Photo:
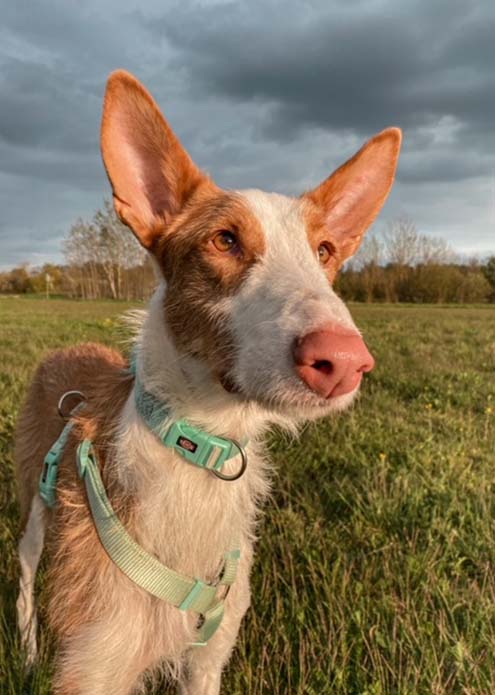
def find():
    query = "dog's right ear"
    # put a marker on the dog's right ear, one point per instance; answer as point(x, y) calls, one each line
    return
point(151, 174)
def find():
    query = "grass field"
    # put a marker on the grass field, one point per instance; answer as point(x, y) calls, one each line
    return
point(375, 570)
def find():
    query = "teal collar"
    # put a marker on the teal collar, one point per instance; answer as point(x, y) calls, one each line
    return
point(194, 444)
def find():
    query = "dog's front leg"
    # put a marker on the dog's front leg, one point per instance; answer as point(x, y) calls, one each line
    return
point(205, 664)
point(101, 659)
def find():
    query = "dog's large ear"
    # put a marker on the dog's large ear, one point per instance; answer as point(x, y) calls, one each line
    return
point(351, 198)
point(152, 175)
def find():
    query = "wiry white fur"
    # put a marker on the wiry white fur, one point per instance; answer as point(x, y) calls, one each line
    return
point(286, 296)
point(30, 548)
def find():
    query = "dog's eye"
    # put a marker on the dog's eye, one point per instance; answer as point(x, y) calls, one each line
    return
point(324, 253)
point(225, 241)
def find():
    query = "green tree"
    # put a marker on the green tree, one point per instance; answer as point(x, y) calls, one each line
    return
point(20, 281)
point(473, 288)
point(488, 271)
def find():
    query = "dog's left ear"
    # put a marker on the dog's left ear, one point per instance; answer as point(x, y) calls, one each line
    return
point(351, 198)
point(152, 175)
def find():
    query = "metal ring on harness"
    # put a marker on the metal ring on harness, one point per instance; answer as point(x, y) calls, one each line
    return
point(241, 470)
point(60, 406)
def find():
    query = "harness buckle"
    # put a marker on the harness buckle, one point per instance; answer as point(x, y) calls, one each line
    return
point(84, 452)
point(192, 595)
point(205, 450)
point(48, 479)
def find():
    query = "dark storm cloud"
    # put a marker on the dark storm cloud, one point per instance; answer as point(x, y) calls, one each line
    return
point(349, 68)
point(262, 93)
point(42, 107)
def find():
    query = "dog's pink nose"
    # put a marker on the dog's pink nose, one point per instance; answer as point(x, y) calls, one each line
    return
point(332, 361)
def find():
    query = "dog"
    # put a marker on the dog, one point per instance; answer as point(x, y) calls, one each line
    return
point(244, 332)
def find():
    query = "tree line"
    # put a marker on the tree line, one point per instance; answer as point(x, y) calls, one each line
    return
point(403, 265)
point(103, 260)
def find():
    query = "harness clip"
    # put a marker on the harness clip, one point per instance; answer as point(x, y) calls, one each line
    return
point(84, 452)
point(48, 480)
point(192, 595)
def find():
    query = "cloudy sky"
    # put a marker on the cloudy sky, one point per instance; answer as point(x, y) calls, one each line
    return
point(264, 93)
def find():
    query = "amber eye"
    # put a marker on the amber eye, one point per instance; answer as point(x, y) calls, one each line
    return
point(225, 241)
point(324, 253)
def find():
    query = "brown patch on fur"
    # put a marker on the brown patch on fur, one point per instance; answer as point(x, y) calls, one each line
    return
point(198, 275)
point(79, 565)
point(343, 207)
point(174, 209)
point(39, 423)
point(318, 233)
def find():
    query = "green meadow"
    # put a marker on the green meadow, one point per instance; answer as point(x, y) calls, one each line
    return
point(375, 570)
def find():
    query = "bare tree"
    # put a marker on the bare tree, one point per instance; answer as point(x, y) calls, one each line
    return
point(402, 241)
point(371, 252)
point(434, 250)
point(101, 254)
point(78, 250)
point(368, 261)
point(405, 246)
point(117, 249)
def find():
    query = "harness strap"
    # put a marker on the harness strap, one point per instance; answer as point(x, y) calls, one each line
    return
point(196, 446)
point(142, 568)
point(49, 474)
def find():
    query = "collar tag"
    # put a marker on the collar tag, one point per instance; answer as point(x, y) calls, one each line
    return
point(197, 446)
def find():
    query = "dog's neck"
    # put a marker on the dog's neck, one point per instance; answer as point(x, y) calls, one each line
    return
point(187, 386)
point(172, 495)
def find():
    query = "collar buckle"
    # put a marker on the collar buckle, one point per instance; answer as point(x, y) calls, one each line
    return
point(194, 444)
point(202, 449)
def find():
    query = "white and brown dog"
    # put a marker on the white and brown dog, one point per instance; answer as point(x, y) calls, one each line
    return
point(243, 332)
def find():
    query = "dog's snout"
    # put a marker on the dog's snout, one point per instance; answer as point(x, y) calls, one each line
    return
point(332, 361)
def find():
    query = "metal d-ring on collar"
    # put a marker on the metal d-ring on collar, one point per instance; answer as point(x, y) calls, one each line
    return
point(241, 470)
point(60, 405)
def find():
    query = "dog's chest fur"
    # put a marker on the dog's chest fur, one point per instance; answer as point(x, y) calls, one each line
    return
point(183, 514)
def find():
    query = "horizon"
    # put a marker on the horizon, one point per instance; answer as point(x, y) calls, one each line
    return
point(458, 259)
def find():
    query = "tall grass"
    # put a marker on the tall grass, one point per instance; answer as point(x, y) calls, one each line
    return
point(375, 571)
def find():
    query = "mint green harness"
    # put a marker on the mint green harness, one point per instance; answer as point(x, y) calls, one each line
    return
point(196, 446)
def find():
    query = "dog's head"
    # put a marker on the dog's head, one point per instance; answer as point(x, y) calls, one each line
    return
point(248, 274)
